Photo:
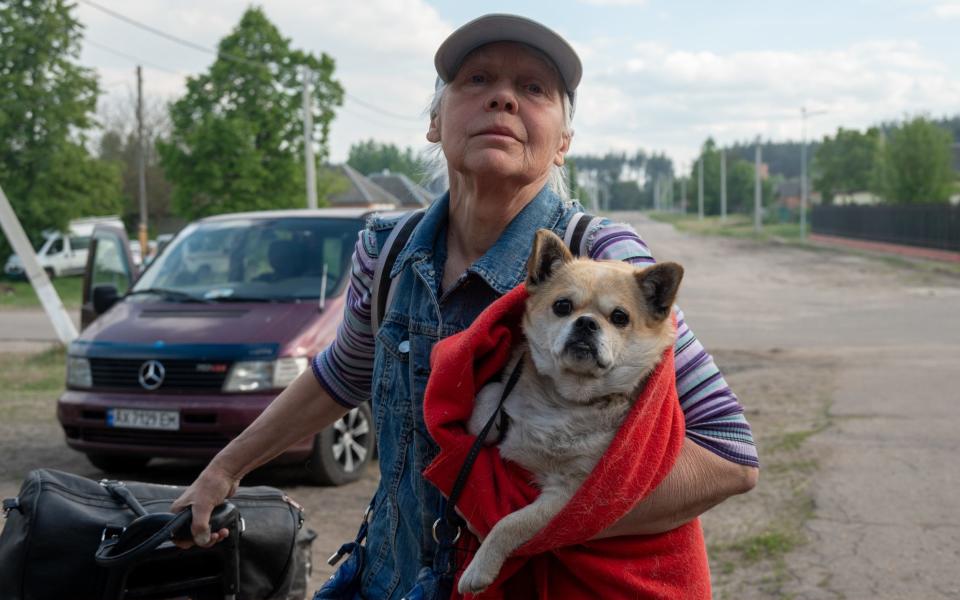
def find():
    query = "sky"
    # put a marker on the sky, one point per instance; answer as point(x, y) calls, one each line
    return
point(658, 75)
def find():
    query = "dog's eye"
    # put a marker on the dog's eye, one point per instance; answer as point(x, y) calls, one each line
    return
point(619, 318)
point(562, 307)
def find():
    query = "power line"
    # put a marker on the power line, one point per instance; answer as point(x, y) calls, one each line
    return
point(146, 27)
point(386, 113)
point(135, 59)
point(227, 56)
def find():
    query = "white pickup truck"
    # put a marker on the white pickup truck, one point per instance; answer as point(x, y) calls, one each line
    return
point(64, 253)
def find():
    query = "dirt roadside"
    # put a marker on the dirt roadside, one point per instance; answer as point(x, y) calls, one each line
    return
point(844, 364)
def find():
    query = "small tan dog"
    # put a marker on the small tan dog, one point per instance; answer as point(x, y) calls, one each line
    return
point(594, 331)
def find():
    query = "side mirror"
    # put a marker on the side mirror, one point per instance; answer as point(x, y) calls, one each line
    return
point(104, 296)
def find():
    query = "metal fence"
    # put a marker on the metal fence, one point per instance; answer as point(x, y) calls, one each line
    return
point(926, 225)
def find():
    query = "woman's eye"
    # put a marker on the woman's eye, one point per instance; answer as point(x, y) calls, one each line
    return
point(619, 318)
point(478, 78)
point(535, 88)
point(562, 307)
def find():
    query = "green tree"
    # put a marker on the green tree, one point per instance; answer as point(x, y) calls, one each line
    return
point(119, 145)
point(237, 135)
point(846, 163)
point(373, 157)
point(46, 102)
point(625, 195)
point(917, 164)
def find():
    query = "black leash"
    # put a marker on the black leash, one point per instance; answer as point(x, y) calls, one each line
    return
point(449, 522)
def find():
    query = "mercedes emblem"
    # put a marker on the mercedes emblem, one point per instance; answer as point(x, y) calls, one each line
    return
point(151, 374)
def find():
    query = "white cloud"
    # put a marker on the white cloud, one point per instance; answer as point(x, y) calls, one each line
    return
point(947, 10)
point(658, 97)
point(383, 51)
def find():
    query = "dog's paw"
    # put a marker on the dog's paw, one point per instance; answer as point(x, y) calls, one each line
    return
point(475, 579)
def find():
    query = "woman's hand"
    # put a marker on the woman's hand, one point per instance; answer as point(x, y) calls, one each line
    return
point(211, 488)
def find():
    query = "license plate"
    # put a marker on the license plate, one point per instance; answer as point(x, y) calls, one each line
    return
point(168, 420)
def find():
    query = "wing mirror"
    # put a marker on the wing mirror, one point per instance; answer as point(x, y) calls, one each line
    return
point(104, 296)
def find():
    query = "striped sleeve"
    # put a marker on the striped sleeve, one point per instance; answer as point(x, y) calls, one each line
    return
point(345, 367)
point(714, 416)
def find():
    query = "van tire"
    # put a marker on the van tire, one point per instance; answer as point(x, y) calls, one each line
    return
point(342, 451)
point(51, 274)
point(112, 463)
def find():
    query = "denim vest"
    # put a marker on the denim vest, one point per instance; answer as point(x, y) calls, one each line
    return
point(400, 541)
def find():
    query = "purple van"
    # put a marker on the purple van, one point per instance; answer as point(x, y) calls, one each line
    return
point(230, 312)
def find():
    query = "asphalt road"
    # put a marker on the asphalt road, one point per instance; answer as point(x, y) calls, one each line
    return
point(884, 521)
point(28, 330)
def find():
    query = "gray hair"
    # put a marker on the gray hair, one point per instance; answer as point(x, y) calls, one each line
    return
point(435, 163)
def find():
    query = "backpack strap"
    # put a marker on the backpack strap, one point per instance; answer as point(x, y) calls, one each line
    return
point(382, 282)
point(575, 235)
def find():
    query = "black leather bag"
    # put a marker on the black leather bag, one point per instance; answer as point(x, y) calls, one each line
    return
point(61, 526)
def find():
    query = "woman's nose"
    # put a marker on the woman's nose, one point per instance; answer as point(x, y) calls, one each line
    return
point(502, 99)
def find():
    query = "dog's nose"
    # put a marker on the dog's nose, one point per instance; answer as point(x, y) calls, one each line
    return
point(586, 324)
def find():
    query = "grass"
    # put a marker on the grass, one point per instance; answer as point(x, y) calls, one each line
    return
point(736, 226)
point(741, 227)
point(29, 382)
point(767, 545)
point(20, 294)
point(40, 372)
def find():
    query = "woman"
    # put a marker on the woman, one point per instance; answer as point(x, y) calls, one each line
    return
point(501, 116)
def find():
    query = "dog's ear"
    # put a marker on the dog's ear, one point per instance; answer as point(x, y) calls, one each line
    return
point(658, 287)
point(549, 253)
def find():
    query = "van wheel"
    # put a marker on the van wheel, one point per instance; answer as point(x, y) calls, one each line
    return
point(342, 451)
point(51, 274)
point(110, 463)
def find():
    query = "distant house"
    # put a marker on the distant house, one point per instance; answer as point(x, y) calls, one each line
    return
point(788, 194)
point(860, 198)
point(359, 191)
point(409, 194)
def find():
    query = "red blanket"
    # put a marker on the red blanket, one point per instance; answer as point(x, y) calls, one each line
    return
point(559, 563)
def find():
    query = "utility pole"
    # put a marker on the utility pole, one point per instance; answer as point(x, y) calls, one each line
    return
point(757, 191)
point(52, 305)
point(141, 168)
point(723, 185)
point(683, 192)
point(308, 139)
point(804, 185)
point(700, 188)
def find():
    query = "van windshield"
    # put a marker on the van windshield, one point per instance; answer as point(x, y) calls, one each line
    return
point(255, 260)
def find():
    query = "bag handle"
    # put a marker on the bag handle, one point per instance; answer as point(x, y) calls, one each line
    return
point(382, 281)
point(149, 531)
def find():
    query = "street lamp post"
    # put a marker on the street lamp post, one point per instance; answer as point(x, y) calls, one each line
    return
point(804, 186)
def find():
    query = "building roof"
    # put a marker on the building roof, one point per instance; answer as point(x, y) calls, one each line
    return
point(360, 191)
point(406, 191)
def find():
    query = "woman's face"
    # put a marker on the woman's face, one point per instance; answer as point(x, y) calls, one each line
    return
point(502, 115)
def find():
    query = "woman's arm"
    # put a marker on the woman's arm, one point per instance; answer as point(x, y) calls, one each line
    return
point(698, 481)
point(723, 460)
point(300, 411)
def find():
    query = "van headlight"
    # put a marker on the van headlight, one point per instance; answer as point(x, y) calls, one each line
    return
point(78, 372)
point(256, 375)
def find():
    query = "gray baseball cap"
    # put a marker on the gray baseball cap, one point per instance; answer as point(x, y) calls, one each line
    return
point(508, 28)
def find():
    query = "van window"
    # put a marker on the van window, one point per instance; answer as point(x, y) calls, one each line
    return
point(256, 259)
point(56, 247)
point(108, 265)
point(79, 242)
